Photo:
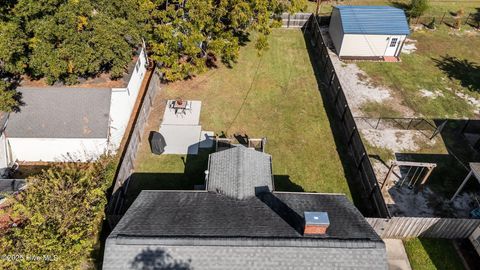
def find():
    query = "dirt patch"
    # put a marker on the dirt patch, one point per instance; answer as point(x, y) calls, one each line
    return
point(359, 89)
point(402, 200)
point(409, 46)
point(431, 94)
point(397, 140)
point(473, 101)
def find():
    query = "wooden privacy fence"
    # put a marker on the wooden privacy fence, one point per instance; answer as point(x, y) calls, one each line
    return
point(127, 162)
point(405, 227)
point(296, 20)
point(364, 173)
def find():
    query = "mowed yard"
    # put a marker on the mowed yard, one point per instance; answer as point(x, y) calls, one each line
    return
point(431, 254)
point(441, 79)
point(273, 95)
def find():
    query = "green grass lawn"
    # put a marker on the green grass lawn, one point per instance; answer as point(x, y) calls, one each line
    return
point(445, 62)
point(274, 95)
point(430, 254)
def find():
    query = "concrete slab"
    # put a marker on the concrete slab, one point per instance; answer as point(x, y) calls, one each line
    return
point(190, 118)
point(181, 140)
point(396, 255)
point(206, 139)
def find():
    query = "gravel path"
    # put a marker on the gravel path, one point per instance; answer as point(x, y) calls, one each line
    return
point(359, 89)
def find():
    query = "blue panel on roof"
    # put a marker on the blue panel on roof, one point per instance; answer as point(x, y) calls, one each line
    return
point(375, 20)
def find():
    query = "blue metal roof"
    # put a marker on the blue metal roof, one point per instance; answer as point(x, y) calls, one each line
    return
point(376, 20)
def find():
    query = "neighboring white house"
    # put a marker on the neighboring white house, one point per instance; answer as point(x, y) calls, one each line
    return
point(368, 32)
point(3, 145)
point(73, 123)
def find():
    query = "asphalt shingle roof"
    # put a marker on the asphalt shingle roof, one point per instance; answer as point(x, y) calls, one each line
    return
point(208, 214)
point(237, 171)
point(379, 20)
point(61, 113)
point(206, 230)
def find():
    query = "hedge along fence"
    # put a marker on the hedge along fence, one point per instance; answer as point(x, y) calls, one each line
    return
point(405, 227)
point(127, 162)
point(364, 173)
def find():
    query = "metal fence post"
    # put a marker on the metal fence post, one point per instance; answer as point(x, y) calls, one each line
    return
point(468, 17)
point(351, 135)
point(331, 78)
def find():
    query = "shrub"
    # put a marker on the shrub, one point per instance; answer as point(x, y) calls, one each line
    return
point(417, 8)
point(59, 217)
point(432, 24)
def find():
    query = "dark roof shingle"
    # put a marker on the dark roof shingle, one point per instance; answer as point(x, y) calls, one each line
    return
point(207, 214)
point(237, 172)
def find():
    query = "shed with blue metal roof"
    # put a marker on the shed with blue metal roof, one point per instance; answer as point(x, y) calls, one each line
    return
point(368, 32)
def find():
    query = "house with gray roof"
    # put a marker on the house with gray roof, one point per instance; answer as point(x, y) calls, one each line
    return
point(80, 122)
point(240, 222)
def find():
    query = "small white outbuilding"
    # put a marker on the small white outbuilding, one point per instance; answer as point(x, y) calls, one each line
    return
point(368, 32)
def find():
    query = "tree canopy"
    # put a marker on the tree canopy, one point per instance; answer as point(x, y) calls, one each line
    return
point(62, 40)
point(188, 36)
point(58, 217)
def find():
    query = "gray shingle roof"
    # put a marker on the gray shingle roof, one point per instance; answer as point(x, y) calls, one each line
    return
point(61, 113)
point(238, 171)
point(118, 257)
point(206, 230)
point(269, 215)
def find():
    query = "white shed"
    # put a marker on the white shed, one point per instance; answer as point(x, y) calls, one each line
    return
point(368, 32)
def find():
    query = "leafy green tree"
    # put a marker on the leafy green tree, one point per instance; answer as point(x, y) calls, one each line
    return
point(188, 36)
point(417, 8)
point(58, 216)
point(63, 40)
point(9, 98)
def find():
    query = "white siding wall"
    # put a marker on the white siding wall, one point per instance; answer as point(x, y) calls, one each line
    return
point(3, 154)
point(46, 149)
point(365, 45)
point(335, 30)
point(123, 101)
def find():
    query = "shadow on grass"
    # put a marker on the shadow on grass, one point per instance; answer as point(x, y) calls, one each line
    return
point(464, 70)
point(283, 183)
point(360, 199)
point(442, 254)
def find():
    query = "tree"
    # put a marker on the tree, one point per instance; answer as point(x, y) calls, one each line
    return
point(58, 216)
point(188, 36)
point(417, 8)
point(9, 98)
point(64, 40)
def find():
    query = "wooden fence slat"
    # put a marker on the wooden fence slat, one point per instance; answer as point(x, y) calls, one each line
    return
point(404, 227)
